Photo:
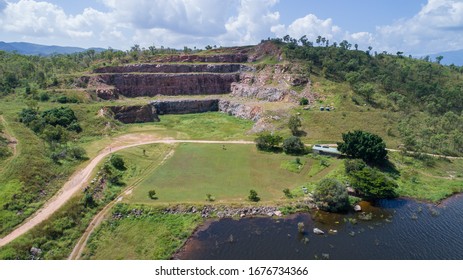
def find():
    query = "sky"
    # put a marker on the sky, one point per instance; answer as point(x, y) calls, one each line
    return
point(416, 27)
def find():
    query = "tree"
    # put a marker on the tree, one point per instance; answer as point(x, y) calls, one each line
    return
point(152, 194)
point(288, 193)
point(118, 162)
point(89, 200)
point(294, 124)
point(293, 145)
point(267, 141)
point(253, 196)
point(366, 90)
point(330, 195)
point(364, 145)
point(372, 184)
point(439, 59)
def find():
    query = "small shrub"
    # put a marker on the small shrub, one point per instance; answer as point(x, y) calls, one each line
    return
point(288, 193)
point(118, 162)
point(330, 195)
point(293, 146)
point(325, 163)
point(77, 153)
point(253, 196)
point(209, 197)
point(152, 194)
point(294, 124)
point(352, 165)
point(44, 97)
point(267, 141)
point(304, 101)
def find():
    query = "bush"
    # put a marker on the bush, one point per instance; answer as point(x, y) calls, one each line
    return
point(253, 196)
point(152, 194)
point(330, 195)
point(288, 193)
point(77, 153)
point(294, 124)
point(372, 184)
point(209, 197)
point(44, 97)
point(352, 165)
point(304, 101)
point(363, 145)
point(118, 162)
point(64, 99)
point(267, 141)
point(293, 146)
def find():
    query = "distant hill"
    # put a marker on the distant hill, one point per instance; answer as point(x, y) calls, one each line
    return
point(35, 49)
point(455, 57)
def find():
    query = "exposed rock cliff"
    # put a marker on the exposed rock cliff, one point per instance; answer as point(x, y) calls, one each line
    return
point(134, 114)
point(239, 110)
point(185, 106)
point(271, 94)
point(173, 68)
point(134, 85)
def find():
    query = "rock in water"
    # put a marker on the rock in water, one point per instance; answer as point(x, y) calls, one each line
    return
point(357, 208)
point(318, 231)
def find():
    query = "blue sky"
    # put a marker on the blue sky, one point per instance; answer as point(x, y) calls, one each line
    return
point(414, 26)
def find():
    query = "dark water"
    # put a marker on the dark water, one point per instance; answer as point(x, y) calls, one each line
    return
point(399, 229)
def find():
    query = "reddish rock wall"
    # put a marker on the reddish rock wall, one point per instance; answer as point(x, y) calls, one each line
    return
point(134, 85)
point(171, 68)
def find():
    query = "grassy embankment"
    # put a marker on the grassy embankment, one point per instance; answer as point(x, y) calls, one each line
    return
point(150, 235)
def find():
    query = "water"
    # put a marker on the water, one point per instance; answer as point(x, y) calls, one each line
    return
point(398, 229)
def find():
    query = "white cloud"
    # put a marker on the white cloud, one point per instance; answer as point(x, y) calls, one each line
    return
point(253, 22)
point(198, 17)
point(33, 19)
point(312, 27)
point(437, 27)
point(176, 23)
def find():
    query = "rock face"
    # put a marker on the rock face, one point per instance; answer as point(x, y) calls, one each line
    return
point(185, 106)
point(173, 68)
point(240, 110)
point(135, 85)
point(134, 114)
point(271, 94)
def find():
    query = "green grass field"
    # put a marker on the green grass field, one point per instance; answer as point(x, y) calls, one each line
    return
point(198, 169)
point(151, 236)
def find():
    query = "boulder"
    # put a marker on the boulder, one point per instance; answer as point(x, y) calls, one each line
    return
point(318, 231)
point(357, 208)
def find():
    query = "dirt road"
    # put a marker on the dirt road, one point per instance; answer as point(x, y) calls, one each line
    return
point(79, 179)
point(99, 218)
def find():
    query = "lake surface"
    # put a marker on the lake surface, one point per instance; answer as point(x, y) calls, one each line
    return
point(398, 229)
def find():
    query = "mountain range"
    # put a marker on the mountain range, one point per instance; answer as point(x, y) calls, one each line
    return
point(36, 49)
point(450, 57)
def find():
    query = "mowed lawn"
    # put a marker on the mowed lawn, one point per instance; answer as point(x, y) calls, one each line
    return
point(227, 174)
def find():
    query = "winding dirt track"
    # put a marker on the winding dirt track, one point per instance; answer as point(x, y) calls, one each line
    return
point(80, 178)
